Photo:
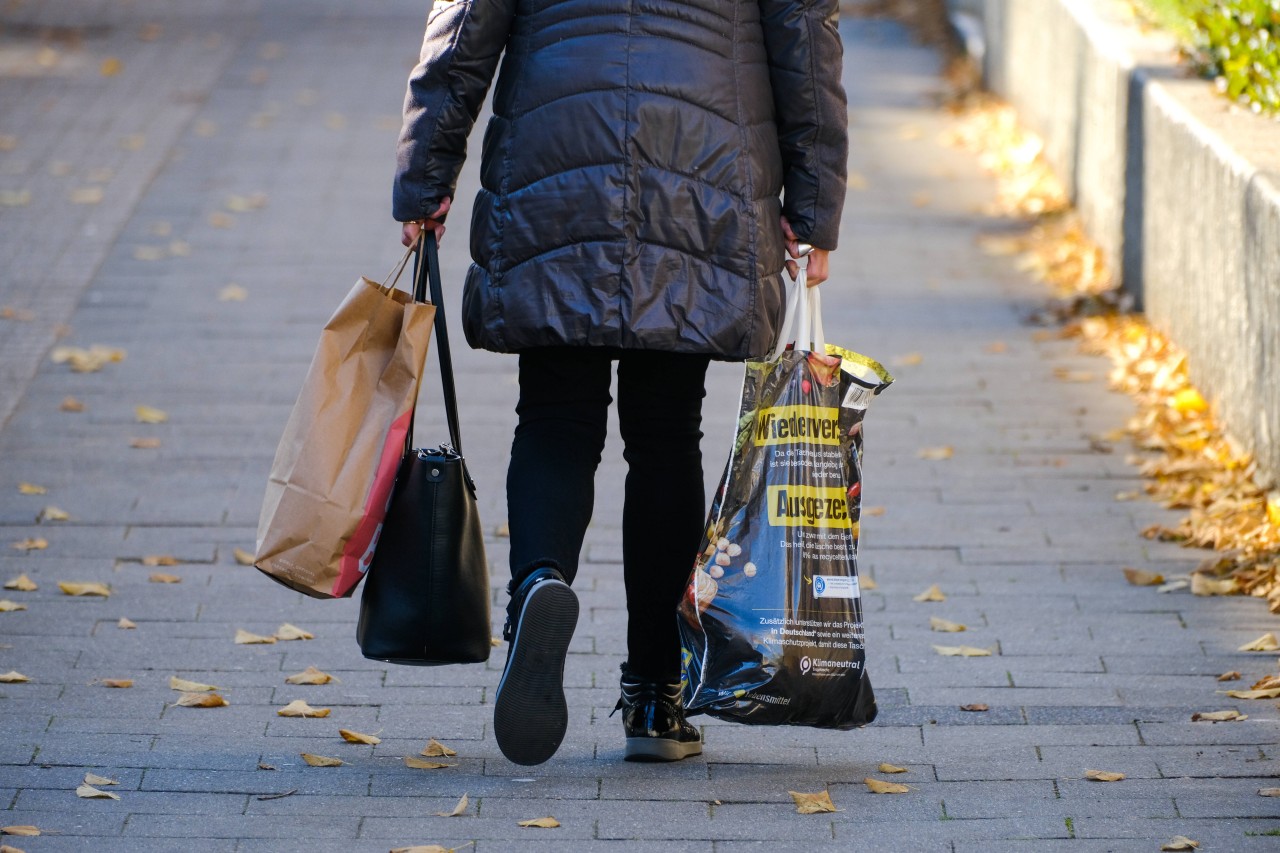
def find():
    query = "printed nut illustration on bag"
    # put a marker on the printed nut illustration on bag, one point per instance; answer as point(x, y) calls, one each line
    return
point(771, 621)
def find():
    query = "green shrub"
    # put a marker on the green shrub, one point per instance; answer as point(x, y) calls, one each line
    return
point(1237, 42)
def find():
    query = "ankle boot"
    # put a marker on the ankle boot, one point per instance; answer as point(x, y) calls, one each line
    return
point(529, 710)
point(653, 719)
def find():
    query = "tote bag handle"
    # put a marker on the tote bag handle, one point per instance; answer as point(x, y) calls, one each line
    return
point(426, 271)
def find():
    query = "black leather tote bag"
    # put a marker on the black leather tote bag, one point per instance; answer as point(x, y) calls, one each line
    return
point(426, 598)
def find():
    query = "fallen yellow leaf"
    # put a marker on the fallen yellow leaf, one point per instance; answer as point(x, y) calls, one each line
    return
point(1188, 400)
point(179, 248)
point(13, 677)
point(962, 651)
point(543, 822)
point(154, 560)
point(116, 682)
point(126, 623)
point(1229, 715)
point(25, 830)
point(244, 638)
point(1202, 584)
point(1180, 843)
point(879, 786)
point(31, 544)
point(247, 203)
point(818, 802)
point(31, 489)
point(21, 583)
point(1267, 693)
point(459, 809)
point(111, 66)
point(1266, 643)
point(15, 198)
point(419, 764)
point(1233, 675)
point(201, 700)
point(1103, 776)
point(145, 443)
point(435, 749)
point(89, 360)
point(1269, 792)
point(293, 632)
point(356, 737)
point(94, 779)
point(1067, 375)
point(161, 577)
point(996, 347)
point(89, 792)
point(936, 453)
point(866, 584)
point(945, 627)
point(7, 606)
point(1123, 497)
point(321, 760)
point(976, 706)
point(184, 686)
point(52, 513)
point(242, 556)
point(911, 359)
point(150, 415)
point(1139, 577)
point(218, 219)
point(1267, 682)
point(232, 293)
point(933, 593)
point(891, 768)
point(86, 195)
point(299, 708)
point(84, 588)
point(133, 142)
point(310, 675)
point(873, 511)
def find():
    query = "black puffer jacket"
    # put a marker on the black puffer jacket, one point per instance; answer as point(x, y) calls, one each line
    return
point(632, 170)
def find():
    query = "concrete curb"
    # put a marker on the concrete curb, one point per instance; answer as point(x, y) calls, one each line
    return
point(1179, 187)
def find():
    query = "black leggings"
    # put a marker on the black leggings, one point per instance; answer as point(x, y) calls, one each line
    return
point(563, 409)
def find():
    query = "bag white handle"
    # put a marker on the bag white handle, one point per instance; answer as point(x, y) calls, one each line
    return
point(802, 323)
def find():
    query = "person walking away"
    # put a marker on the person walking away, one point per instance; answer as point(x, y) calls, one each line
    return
point(629, 212)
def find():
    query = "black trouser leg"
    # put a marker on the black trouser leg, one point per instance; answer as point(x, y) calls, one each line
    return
point(660, 410)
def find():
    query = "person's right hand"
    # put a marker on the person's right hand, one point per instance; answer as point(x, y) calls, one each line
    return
point(817, 268)
point(409, 231)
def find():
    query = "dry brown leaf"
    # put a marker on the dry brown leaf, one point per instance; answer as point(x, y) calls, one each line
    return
point(921, 199)
point(153, 560)
point(1180, 843)
point(293, 632)
point(264, 766)
point(21, 583)
point(1266, 682)
point(1202, 584)
point(110, 67)
point(161, 577)
point(426, 848)
point(179, 248)
point(419, 764)
point(242, 556)
point(1266, 643)
point(7, 606)
point(244, 638)
point(84, 588)
point(310, 675)
point(321, 760)
point(150, 415)
point(1067, 375)
point(1269, 792)
point(145, 443)
point(24, 830)
point(52, 513)
point(1233, 675)
point(996, 347)
point(233, 293)
point(201, 700)
point(891, 768)
point(879, 786)
point(541, 822)
point(31, 544)
point(1103, 776)
point(1140, 577)
point(936, 453)
point(816, 803)
point(218, 219)
point(976, 706)
point(31, 489)
point(119, 683)
point(1229, 715)
point(126, 623)
point(356, 737)
point(279, 796)
point(89, 792)
point(94, 779)
point(435, 749)
point(300, 708)
point(933, 593)
point(13, 677)
point(184, 686)
point(962, 651)
point(457, 811)
point(1266, 693)
point(945, 627)
point(495, 642)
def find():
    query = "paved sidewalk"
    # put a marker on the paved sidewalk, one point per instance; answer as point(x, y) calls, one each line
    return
point(299, 102)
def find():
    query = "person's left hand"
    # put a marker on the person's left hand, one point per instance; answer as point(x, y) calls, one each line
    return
point(817, 270)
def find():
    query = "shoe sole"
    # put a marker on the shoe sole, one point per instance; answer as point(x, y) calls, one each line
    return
point(529, 710)
point(659, 749)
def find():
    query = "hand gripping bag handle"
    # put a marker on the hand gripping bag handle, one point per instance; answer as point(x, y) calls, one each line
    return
point(802, 323)
point(427, 269)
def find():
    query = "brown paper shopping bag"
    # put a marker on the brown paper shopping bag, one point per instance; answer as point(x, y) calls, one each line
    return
point(337, 461)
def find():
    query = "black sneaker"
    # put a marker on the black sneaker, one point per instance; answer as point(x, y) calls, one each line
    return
point(653, 718)
point(529, 711)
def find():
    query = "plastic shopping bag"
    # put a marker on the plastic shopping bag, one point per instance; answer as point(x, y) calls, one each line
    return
point(771, 621)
